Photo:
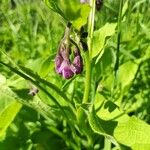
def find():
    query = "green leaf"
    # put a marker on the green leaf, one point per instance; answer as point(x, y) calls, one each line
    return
point(75, 12)
point(81, 16)
point(99, 37)
point(102, 126)
point(7, 116)
point(5, 100)
point(134, 133)
point(126, 73)
point(71, 11)
point(53, 6)
point(2, 80)
point(45, 67)
point(118, 126)
point(125, 8)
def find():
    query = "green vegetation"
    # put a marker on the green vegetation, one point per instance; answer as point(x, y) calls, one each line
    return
point(105, 105)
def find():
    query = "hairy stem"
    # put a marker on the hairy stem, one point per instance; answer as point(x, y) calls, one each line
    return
point(116, 67)
point(87, 78)
point(89, 52)
point(81, 115)
point(118, 38)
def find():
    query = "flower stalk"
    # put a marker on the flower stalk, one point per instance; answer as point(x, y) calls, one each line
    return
point(88, 58)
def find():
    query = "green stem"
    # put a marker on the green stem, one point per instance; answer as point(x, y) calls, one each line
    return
point(118, 37)
point(89, 52)
point(81, 115)
point(91, 20)
point(107, 145)
point(87, 78)
point(116, 67)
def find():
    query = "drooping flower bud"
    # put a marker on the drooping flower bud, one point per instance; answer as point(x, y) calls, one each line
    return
point(77, 62)
point(99, 4)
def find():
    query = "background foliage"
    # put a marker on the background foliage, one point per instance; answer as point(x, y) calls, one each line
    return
point(30, 32)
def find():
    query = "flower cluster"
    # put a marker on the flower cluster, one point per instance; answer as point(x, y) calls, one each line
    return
point(63, 64)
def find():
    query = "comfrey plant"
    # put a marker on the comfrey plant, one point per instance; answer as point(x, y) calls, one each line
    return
point(87, 111)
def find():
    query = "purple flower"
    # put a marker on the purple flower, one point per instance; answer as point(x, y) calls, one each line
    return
point(78, 64)
point(63, 64)
point(67, 72)
point(65, 69)
point(64, 51)
point(58, 62)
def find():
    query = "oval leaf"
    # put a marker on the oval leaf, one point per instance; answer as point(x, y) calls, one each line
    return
point(7, 116)
point(99, 37)
point(129, 131)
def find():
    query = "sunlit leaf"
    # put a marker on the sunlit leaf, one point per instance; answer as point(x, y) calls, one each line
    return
point(75, 12)
point(5, 100)
point(81, 16)
point(53, 6)
point(71, 11)
point(127, 72)
point(113, 123)
point(7, 116)
point(134, 133)
point(100, 36)
point(125, 8)
point(2, 79)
